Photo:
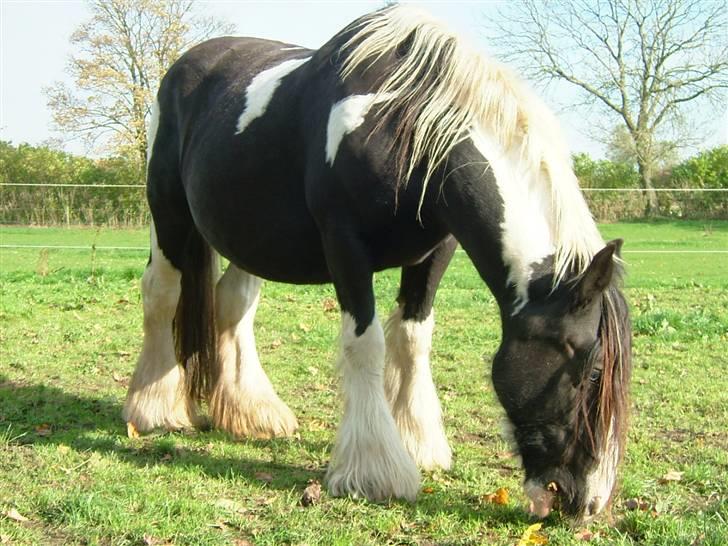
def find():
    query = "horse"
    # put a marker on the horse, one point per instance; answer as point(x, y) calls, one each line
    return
point(387, 147)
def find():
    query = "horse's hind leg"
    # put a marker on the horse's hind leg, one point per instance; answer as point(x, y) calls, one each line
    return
point(157, 395)
point(243, 401)
point(408, 379)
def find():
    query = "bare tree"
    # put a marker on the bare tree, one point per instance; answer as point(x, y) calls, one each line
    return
point(122, 53)
point(643, 61)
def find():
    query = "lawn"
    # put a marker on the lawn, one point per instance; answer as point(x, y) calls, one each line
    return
point(70, 331)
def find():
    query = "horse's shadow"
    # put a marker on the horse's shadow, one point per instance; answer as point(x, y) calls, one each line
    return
point(36, 414)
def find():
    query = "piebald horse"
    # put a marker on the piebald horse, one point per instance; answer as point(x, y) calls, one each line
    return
point(385, 148)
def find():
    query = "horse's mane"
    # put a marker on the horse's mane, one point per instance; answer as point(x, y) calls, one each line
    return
point(438, 90)
point(603, 417)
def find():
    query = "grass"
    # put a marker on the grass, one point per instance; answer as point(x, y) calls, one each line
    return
point(70, 331)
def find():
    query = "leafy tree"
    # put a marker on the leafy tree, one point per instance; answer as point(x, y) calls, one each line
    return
point(122, 53)
point(642, 61)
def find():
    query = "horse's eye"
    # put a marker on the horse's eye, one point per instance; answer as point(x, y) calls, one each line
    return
point(595, 375)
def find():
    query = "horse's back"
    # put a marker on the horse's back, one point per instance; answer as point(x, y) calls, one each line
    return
point(244, 188)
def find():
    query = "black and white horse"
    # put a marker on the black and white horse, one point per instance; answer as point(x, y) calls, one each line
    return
point(384, 148)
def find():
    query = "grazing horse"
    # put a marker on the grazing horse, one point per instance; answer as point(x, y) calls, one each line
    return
point(385, 148)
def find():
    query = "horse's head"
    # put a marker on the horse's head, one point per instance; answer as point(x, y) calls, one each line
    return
point(562, 374)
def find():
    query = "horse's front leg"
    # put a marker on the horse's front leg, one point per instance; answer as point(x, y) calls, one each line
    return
point(408, 379)
point(369, 459)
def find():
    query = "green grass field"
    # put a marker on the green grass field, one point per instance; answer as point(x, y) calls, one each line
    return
point(70, 331)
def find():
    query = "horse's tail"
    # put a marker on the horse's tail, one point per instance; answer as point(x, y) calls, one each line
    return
point(195, 332)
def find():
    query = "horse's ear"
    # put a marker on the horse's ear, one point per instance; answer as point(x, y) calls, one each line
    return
point(598, 275)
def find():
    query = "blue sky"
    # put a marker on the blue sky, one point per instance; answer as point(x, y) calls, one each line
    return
point(34, 48)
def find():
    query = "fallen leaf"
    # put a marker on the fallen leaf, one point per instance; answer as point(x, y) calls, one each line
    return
point(671, 476)
point(636, 504)
point(584, 534)
point(499, 497)
point(264, 477)
point(316, 424)
point(4, 539)
point(43, 430)
point(330, 305)
point(131, 430)
point(14, 515)
point(428, 490)
point(304, 327)
point(532, 536)
point(312, 493)
point(118, 378)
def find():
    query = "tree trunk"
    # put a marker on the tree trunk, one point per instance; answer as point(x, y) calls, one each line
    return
point(645, 170)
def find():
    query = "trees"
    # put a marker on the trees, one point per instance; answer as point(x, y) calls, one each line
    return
point(123, 51)
point(645, 62)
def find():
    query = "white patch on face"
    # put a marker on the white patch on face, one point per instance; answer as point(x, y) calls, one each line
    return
point(152, 128)
point(600, 481)
point(345, 117)
point(260, 91)
point(527, 229)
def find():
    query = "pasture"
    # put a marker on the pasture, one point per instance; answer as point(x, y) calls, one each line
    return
point(70, 331)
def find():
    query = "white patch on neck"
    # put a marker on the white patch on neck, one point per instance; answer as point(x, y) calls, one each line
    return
point(345, 117)
point(527, 211)
point(260, 91)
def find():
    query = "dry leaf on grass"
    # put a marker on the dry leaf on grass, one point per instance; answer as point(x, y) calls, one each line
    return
point(131, 430)
point(636, 504)
point(43, 430)
point(5, 539)
point(14, 515)
point(499, 497)
point(149, 540)
point(312, 493)
point(531, 536)
point(584, 534)
point(330, 305)
point(264, 477)
point(671, 476)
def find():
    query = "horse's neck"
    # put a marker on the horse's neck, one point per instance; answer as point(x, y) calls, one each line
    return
point(501, 215)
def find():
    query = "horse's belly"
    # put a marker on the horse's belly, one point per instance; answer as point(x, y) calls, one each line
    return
point(266, 231)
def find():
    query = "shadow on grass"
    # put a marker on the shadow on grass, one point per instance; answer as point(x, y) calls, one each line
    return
point(36, 415)
point(43, 415)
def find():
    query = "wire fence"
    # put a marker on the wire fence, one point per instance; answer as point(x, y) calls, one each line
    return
point(116, 215)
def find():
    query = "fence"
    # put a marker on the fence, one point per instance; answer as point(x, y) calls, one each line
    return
point(103, 206)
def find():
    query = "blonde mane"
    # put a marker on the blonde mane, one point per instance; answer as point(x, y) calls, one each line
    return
point(440, 90)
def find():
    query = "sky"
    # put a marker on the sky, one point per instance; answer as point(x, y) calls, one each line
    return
point(35, 47)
